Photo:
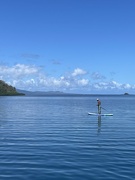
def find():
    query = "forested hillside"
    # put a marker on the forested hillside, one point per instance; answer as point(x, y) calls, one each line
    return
point(7, 90)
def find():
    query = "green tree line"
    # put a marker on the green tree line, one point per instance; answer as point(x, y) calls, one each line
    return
point(7, 90)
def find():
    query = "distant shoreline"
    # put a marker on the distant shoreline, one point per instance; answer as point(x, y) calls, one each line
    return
point(62, 94)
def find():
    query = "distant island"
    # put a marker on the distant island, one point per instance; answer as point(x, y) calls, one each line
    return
point(42, 93)
point(126, 93)
point(8, 90)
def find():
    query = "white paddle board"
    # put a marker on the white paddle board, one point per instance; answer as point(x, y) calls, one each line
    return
point(96, 114)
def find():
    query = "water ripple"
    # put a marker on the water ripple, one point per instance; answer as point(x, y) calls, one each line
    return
point(54, 138)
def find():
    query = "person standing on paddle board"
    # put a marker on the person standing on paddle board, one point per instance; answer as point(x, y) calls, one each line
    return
point(99, 106)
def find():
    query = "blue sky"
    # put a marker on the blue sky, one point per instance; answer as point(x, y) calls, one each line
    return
point(82, 46)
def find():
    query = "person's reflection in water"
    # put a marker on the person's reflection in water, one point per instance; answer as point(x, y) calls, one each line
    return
point(99, 124)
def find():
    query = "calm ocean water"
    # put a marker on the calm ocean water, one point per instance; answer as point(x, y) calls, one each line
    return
point(49, 138)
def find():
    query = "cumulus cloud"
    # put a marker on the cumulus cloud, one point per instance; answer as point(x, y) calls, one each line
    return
point(112, 85)
point(19, 75)
point(78, 71)
point(97, 76)
point(83, 82)
point(31, 77)
point(34, 78)
point(18, 70)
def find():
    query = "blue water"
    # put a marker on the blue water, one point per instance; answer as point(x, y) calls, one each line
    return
point(49, 138)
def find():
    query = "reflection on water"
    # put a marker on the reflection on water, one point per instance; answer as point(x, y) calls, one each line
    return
point(99, 124)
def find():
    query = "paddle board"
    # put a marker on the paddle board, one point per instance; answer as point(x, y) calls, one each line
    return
point(96, 114)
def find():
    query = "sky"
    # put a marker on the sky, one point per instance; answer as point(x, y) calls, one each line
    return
point(75, 46)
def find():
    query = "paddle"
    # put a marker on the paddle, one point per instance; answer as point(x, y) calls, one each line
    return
point(104, 108)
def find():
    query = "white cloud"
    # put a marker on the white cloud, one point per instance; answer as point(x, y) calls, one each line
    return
point(78, 71)
point(112, 85)
point(97, 76)
point(33, 78)
point(83, 82)
point(18, 70)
